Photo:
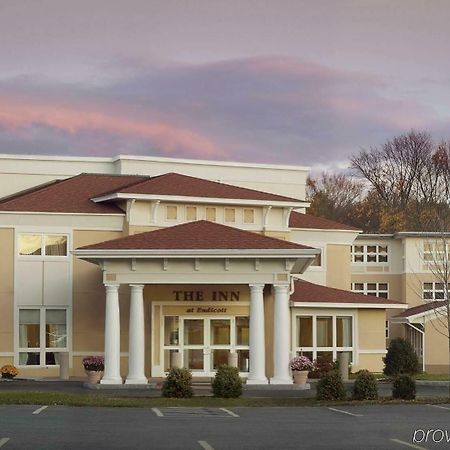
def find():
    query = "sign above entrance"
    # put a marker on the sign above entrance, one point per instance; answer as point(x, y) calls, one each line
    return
point(199, 296)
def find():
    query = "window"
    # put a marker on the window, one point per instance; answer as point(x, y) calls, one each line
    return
point(435, 291)
point(249, 216)
point(375, 289)
point(369, 253)
point(171, 212)
point(42, 334)
point(435, 252)
point(42, 245)
point(387, 329)
point(324, 336)
point(230, 215)
point(317, 262)
point(210, 214)
point(191, 213)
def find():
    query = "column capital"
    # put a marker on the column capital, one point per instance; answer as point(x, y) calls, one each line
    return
point(112, 286)
point(281, 287)
point(257, 286)
point(137, 286)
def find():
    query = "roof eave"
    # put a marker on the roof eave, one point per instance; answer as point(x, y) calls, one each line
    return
point(348, 305)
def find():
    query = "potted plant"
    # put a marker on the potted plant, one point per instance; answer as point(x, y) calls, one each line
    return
point(300, 366)
point(94, 367)
point(9, 371)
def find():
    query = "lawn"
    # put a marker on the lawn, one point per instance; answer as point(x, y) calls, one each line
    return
point(59, 398)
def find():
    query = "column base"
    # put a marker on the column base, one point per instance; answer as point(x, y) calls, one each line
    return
point(281, 381)
point(258, 381)
point(136, 381)
point(117, 380)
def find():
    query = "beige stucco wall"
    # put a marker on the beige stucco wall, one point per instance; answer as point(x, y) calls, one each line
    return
point(6, 290)
point(338, 266)
point(436, 347)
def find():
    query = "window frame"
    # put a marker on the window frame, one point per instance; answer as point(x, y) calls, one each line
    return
point(43, 255)
point(434, 291)
point(365, 254)
point(376, 291)
point(42, 349)
point(315, 349)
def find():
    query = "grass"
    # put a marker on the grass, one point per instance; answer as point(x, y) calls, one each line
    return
point(58, 398)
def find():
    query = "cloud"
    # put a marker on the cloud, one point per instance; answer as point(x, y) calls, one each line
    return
point(269, 109)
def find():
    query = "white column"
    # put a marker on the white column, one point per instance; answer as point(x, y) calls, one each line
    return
point(281, 348)
point(112, 336)
point(136, 333)
point(257, 356)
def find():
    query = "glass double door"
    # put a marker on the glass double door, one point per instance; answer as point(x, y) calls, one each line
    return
point(205, 343)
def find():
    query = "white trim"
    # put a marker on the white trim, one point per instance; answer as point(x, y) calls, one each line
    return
point(152, 158)
point(348, 305)
point(48, 213)
point(297, 203)
point(6, 354)
point(373, 352)
point(92, 353)
point(326, 230)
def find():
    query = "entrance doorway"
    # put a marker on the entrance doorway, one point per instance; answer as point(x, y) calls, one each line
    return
point(205, 342)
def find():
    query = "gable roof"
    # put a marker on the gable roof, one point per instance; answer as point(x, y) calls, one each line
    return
point(176, 184)
point(306, 292)
point(300, 220)
point(420, 309)
point(200, 235)
point(72, 195)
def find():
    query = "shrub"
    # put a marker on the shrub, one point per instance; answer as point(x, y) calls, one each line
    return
point(404, 387)
point(331, 387)
point(178, 383)
point(365, 387)
point(400, 358)
point(9, 371)
point(227, 383)
point(321, 366)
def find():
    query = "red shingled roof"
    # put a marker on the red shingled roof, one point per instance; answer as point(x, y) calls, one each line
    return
point(420, 309)
point(309, 292)
point(200, 235)
point(299, 220)
point(187, 186)
point(72, 195)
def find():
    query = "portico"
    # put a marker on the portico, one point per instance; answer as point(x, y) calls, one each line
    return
point(262, 274)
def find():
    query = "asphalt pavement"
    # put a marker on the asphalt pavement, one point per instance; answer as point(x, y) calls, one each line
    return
point(347, 427)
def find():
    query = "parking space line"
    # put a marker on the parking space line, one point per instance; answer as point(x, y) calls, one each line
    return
point(398, 441)
point(39, 410)
point(231, 413)
point(440, 407)
point(157, 412)
point(205, 445)
point(3, 441)
point(345, 412)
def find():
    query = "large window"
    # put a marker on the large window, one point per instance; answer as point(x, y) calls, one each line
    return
point(369, 253)
point(375, 289)
point(324, 336)
point(42, 244)
point(42, 335)
point(435, 291)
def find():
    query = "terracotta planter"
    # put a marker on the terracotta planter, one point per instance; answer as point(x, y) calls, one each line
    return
point(94, 376)
point(300, 376)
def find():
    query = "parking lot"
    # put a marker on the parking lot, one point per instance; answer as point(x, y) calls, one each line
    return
point(343, 427)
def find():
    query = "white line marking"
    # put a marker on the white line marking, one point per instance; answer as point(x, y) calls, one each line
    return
point(345, 412)
point(205, 445)
point(3, 441)
point(440, 407)
point(157, 412)
point(39, 410)
point(398, 441)
point(231, 413)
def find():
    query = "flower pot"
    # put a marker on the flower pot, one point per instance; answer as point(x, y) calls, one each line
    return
point(300, 376)
point(94, 376)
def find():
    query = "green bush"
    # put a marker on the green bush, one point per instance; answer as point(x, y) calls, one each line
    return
point(178, 384)
point(322, 365)
point(400, 358)
point(331, 387)
point(404, 387)
point(365, 387)
point(227, 383)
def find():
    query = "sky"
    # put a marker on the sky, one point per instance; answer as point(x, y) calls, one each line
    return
point(281, 81)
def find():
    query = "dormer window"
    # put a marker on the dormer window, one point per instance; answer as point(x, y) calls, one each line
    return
point(210, 214)
point(249, 215)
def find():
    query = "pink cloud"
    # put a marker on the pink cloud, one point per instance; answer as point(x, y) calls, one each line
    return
point(17, 116)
